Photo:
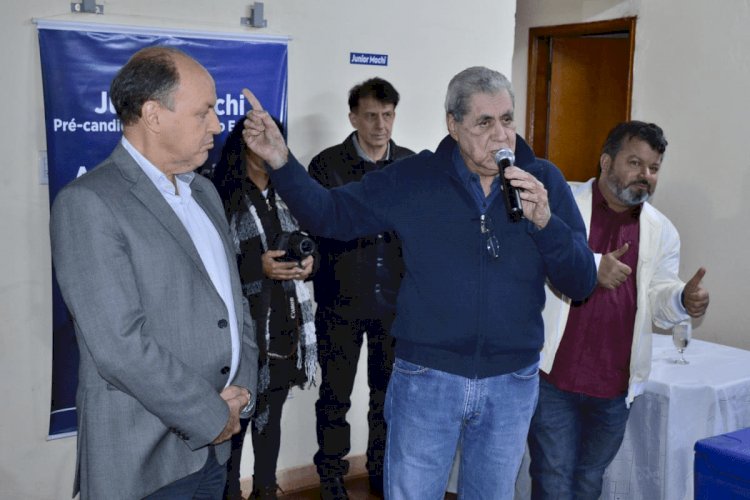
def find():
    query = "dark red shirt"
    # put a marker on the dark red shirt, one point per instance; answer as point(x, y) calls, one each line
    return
point(594, 355)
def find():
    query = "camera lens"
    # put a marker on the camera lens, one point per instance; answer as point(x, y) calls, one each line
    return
point(306, 246)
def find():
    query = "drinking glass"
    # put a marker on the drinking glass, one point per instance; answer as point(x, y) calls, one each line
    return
point(681, 334)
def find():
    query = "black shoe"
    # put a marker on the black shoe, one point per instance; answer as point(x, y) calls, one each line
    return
point(261, 492)
point(376, 485)
point(332, 488)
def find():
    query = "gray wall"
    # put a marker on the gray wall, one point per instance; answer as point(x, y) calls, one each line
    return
point(691, 74)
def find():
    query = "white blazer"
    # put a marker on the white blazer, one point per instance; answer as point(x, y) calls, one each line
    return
point(658, 289)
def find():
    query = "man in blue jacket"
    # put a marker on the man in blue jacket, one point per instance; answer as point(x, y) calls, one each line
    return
point(468, 324)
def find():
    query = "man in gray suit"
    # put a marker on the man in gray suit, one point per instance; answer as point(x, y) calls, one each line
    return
point(168, 358)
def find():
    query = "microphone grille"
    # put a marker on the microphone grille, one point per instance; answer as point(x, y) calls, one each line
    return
point(505, 156)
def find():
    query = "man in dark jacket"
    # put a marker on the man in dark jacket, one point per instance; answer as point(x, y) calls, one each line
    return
point(468, 326)
point(355, 289)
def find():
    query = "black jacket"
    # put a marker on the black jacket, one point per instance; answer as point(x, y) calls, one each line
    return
point(358, 278)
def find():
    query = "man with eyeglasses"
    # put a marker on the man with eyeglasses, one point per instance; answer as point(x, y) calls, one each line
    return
point(468, 326)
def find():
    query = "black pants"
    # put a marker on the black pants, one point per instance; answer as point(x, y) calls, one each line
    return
point(339, 344)
point(265, 446)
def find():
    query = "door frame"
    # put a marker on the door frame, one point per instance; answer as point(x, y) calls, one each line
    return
point(539, 68)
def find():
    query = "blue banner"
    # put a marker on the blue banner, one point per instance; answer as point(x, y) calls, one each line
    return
point(78, 65)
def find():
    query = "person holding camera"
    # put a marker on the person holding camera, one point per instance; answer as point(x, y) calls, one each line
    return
point(274, 259)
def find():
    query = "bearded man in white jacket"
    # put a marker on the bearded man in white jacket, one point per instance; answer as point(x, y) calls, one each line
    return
point(597, 353)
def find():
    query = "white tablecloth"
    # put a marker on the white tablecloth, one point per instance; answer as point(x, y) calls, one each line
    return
point(682, 404)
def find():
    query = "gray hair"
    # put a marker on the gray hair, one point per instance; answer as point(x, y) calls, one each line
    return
point(470, 81)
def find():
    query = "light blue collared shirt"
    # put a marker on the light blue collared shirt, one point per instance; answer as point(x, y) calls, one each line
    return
point(204, 235)
point(363, 155)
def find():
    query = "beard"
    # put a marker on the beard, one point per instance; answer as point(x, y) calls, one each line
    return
point(629, 195)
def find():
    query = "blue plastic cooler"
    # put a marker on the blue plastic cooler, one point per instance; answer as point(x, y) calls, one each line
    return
point(722, 466)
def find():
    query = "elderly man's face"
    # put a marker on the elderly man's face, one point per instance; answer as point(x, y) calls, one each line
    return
point(187, 131)
point(486, 128)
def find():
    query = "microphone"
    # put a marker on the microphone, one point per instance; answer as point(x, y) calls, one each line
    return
point(505, 158)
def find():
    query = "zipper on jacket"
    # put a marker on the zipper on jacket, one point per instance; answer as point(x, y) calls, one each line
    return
point(484, 233)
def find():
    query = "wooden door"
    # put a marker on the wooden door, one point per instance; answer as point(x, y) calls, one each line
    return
point(588, 88)
point(579, 88)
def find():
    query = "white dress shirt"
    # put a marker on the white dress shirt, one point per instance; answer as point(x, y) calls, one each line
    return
point(204, 236)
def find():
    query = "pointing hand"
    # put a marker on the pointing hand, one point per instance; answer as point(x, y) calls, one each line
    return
point(262, 135)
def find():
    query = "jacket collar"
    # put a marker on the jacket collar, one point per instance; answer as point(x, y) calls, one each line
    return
point(148, 194)
point(353, 155)
point(443, 154)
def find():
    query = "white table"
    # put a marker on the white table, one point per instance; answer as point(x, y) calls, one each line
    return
point(681, 405)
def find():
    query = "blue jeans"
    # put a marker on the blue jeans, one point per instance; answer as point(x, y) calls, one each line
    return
point(206, 484)
point(430, 413)
point(572, 440)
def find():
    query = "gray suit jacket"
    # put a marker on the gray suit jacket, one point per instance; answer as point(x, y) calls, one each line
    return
point(152, 330)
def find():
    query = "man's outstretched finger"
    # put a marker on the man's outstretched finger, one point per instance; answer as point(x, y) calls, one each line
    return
point(254, 102)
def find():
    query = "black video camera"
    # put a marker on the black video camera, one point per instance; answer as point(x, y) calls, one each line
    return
point(296, 244)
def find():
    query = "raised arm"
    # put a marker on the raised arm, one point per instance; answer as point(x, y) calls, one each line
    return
point(262, 135)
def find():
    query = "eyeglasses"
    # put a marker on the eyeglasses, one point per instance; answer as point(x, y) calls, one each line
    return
point(486, 228)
